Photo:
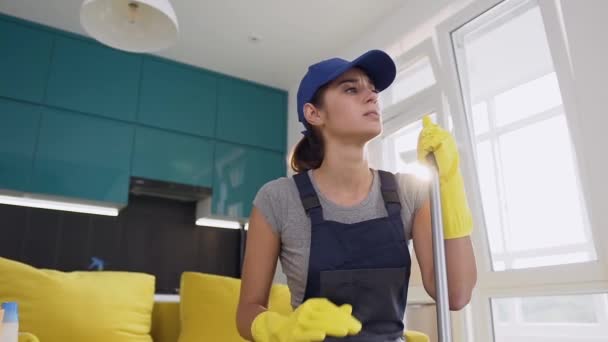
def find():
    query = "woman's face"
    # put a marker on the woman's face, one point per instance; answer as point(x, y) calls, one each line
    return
point(350, 110)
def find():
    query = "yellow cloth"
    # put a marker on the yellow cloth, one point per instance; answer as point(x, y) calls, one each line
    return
point(79, 306)
point(314, 320)
point(456, 215)
point(415, 336)
point(208, 307)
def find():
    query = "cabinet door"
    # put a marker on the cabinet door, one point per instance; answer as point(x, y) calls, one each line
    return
point(83, 157)
point(26, 55)
point(239, 173)
point(251, 114)
point(18, 131)
point(178, 98)
point(172, 157)
point(91, 78)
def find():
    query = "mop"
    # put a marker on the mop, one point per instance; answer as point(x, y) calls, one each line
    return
point(444, 331)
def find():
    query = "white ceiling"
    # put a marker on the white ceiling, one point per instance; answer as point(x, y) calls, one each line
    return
point(214, 34)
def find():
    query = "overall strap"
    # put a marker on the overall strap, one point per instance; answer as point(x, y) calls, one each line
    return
point(309, 198)
point(390, 192)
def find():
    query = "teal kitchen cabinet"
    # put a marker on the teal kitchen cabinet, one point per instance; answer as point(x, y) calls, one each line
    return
point(82, 157)
point(177, 97)
point(239, 172)
point(251, 114)
point(88, 77)
point(172, 157)
point(18, 132)
point(24, 65)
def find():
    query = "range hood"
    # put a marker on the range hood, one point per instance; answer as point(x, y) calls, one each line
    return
point(185, 193)
point(168, 190)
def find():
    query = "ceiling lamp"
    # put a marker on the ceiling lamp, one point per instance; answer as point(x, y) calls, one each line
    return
point(134, 26)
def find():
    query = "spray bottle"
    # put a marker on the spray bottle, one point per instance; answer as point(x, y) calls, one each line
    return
point(10, 323)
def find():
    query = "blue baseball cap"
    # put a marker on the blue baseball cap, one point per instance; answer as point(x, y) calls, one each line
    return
point(377, 64)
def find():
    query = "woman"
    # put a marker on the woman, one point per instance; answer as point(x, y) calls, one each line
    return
point(341, 228)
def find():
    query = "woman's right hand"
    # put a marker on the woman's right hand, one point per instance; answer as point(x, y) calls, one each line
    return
point(313, 320)
point(433, 139)
point(456, 215)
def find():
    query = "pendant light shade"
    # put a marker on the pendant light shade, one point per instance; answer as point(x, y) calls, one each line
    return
point(134, 26)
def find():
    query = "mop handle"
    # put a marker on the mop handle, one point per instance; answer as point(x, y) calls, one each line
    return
point(441, 281)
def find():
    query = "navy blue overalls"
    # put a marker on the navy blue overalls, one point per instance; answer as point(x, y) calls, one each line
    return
point(365, 264)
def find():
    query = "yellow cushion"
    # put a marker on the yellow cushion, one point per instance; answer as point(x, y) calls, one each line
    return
point(208, 307)
point(79, 306)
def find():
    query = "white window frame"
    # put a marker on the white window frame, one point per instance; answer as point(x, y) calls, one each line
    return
point(426, 97)
point(583, 278)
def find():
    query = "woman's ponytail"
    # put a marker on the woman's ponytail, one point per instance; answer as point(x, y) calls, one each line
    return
point(308, 153)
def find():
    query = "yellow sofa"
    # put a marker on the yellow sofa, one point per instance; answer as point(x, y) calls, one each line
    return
point(120, 306)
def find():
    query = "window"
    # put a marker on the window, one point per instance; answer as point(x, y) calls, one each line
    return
point(541, 263)
point(532, 201)
point(571, 318)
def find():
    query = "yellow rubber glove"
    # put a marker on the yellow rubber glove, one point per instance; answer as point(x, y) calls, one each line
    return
point(315, 319)
point(456, 215)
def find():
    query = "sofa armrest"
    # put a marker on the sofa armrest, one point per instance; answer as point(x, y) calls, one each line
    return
point(165, 321)
point(27, 337)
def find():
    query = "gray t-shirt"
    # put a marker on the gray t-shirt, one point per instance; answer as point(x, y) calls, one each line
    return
point(279, 201)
